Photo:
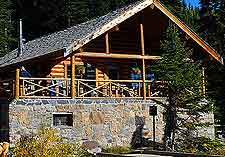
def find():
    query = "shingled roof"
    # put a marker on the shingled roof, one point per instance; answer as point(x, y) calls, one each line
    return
point(75, 37)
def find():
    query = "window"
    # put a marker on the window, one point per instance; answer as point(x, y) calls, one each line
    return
point(84, 71)
point(65, 119)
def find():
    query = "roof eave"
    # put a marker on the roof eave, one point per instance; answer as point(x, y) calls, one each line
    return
point(75, 46)
point(188, 31)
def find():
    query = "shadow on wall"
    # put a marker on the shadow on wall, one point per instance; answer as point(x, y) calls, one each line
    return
point(4, 120)
point(138, 139)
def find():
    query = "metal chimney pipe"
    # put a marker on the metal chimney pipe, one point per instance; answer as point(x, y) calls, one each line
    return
point(20, 50)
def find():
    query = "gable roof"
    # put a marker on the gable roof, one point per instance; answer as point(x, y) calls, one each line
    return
point(75, 37)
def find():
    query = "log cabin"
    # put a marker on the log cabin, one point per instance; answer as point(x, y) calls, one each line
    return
point(107, 58)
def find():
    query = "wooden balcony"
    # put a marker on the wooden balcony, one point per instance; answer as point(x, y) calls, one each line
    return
point(60, 88)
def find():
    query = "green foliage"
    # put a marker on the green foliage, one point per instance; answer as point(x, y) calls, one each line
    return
point(212, 29)
point(47, 143)
point(117, 149)
point(40, 17)
point(184, 81)
point(203, 145)
point(177, 67)
point(6, 29)
point(186, 13)
point(76, 11)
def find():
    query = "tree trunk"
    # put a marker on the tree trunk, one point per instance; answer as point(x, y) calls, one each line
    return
point(170, 120)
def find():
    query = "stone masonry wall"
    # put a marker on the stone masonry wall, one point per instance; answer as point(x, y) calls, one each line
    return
point(110, 122)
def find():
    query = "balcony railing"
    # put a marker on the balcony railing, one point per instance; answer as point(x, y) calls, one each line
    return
point(61, 88)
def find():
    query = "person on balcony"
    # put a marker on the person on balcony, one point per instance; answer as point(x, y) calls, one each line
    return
point(24, 72)
point(27, 87)
point(52, 85)
point(150, 76)
point(135, 75)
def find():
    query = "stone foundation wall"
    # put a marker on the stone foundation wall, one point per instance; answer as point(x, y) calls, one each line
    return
point(110, 122)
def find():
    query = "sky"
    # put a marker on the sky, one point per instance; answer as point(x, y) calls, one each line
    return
point(193, 2)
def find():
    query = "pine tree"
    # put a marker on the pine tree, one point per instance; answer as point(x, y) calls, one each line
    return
point(212, 24)
point(40, 17)
point(207, 20)
point(190, 16)
point(6, 29)
point(183, 78)
point(114, 4)
point(99, 7)
point(186, 13)
point(76, 11)
point(175, 6)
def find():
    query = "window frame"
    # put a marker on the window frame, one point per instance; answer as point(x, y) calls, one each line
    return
point(67, 115)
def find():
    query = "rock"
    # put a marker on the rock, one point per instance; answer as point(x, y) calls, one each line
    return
point(92, 147)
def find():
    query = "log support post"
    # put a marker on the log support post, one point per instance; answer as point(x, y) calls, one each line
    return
point(17, 94)
point(73, 81)
point(107, 43)
point(143, 61)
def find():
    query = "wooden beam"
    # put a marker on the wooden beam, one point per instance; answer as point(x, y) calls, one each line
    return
point(17, 95)
point(116, 56)
point(107, 43)
point(73, 83)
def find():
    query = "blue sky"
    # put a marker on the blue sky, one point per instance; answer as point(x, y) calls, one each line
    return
point(193, 2)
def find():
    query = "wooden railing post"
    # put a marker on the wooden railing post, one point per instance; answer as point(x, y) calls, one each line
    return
point(149, 88)
point(17, 95)
point(73, 81)
point(78, 88)
point(110, 88)
point(143, 61)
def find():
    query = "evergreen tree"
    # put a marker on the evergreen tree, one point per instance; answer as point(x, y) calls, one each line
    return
point(76, 11)
point(186, 13)
point(6, 29)
point(175, 6)
point(212, 24)
point(183, 78)
point(40, 17)
point(207, 20)
point(99, 7)
point(190, 16)
point(114, 4)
